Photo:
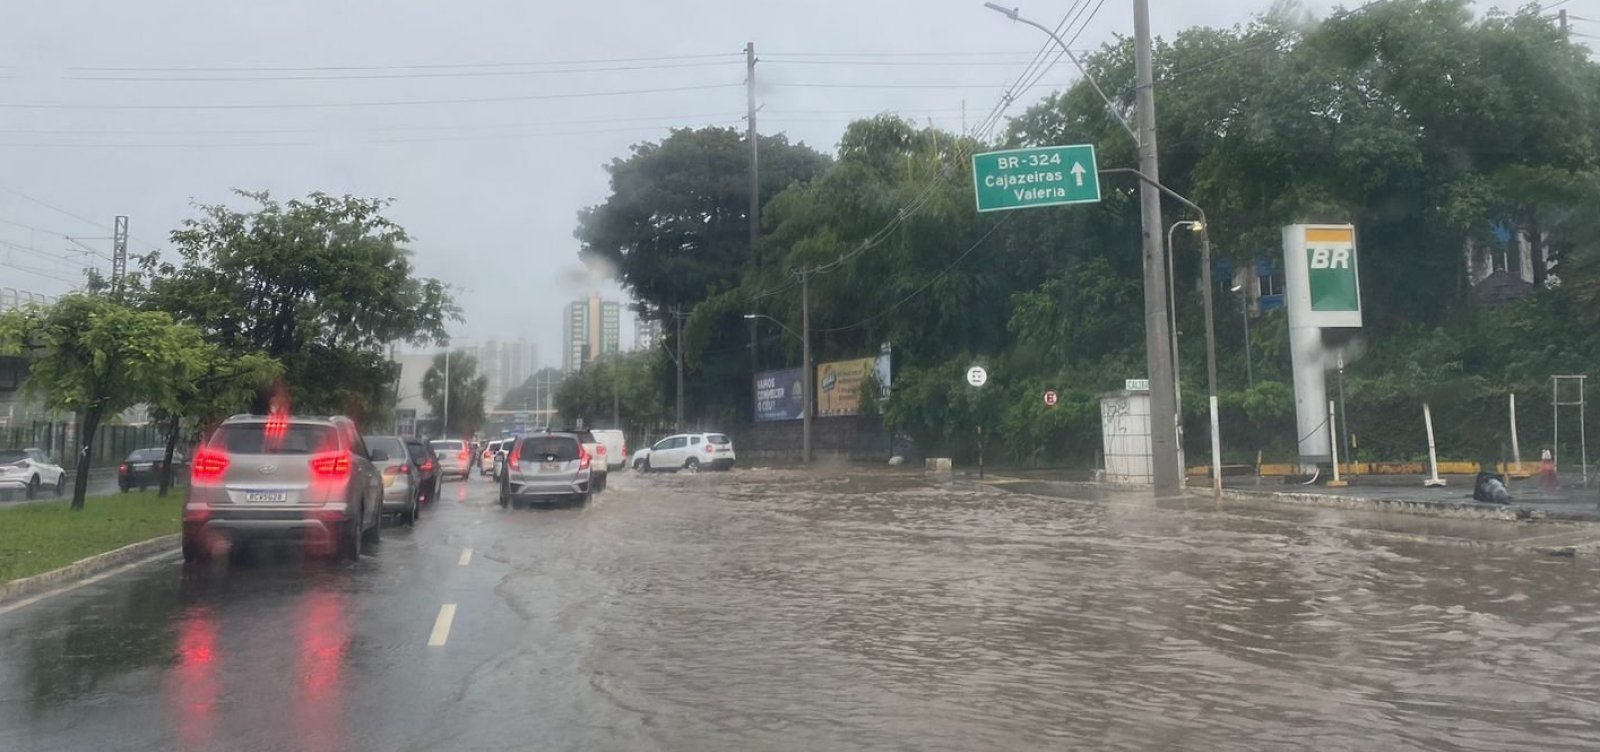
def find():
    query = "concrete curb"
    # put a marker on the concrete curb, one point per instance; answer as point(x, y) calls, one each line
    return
point(1455, 509)
point(83, 569)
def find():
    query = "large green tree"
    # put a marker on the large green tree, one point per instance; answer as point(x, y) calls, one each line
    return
point(621, 391)
point(536, 392)
point(323, 284)
point(215, 384)
point(96, 358)
point(466, 388)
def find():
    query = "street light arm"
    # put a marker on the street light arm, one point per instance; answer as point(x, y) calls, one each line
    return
point(1012, 14)
point(780, 324)
point(1158, 186)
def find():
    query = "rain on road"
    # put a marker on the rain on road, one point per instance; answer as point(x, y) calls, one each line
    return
point(858, 609)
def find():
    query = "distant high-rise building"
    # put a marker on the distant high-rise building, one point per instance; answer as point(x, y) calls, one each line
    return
point(590, 329)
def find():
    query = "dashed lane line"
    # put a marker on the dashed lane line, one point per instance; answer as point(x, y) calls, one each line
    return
point(441, 626)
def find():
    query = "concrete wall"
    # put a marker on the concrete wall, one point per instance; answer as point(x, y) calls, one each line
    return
point(851, 438)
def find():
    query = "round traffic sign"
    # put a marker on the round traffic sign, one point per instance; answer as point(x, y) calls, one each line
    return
point(1050, 398)
point(976, 376)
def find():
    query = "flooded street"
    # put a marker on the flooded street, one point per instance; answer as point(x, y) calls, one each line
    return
point(766, 609)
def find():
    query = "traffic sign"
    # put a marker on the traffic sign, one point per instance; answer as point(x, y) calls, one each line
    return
point(1050, 398)
point(976, 376)
point(1136, 385)
point(1045, 176)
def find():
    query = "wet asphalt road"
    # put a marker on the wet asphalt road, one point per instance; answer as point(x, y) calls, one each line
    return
point(774, 610)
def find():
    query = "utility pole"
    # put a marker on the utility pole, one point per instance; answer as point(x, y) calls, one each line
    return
point(444, 423)
point(1562, 16)
point(809, 375)
point(678, 315)
point(1158, 354)
point(119, 255)
point(750, 135)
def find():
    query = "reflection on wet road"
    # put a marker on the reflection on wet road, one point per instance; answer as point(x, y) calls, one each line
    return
point(772, 610)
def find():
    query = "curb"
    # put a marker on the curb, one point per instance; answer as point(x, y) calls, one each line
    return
point(83, 569)
point(1455, 509)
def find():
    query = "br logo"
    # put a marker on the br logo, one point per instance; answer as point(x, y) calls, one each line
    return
point(1330, 258)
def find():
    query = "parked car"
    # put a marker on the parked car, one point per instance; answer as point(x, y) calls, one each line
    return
point(427, 464)
point(547, 467)
point(306, 479)
point(486, 460)
point(30, 471)
point(455, 457)
point(402, 483)
point(142, 469)
point(616, 445)
point(691, 451)
point(596, 450)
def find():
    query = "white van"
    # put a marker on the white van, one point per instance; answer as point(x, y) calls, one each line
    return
point(616, 446)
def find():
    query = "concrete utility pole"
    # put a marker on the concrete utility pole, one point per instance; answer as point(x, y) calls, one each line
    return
point(755, 188)
point(809, 376)
point(1562, 15)
point(678, 315)
point(1158, 354)
point(119, 254)
point(444, 423)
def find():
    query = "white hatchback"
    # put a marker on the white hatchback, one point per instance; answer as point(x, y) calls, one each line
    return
point(690, 451)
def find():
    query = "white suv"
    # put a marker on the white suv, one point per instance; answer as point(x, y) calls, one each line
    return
point(690, 451)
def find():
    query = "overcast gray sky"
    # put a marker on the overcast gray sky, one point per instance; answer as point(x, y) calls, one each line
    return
point(300, 95)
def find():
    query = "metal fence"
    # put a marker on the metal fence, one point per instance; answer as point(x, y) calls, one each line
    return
point(59, 440)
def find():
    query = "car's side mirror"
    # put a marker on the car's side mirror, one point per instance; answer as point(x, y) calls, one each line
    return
point(378, 455)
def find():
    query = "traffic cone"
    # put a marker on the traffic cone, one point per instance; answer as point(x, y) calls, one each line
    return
point(1547, 472)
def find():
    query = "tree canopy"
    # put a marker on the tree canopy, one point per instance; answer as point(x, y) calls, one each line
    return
point(467, 390)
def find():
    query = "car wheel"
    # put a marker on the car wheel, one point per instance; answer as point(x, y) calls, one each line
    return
point(692, 465)
point(638, 464)
point(352, 538)
point(505, 494)
point(193, 551)
point(647, 468)
point(373, 534)
point(33, 487)
point(61, 485)
point(409, 516)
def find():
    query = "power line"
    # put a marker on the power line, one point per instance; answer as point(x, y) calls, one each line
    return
point(343, 105)
point(889, 86)
point(45, 273)
point(56, 258)
point(382, 76)
point(936, 53)
point(924, 288)
point(370, 141)
point(900, 63)
point(423, 66)
point(54, 208)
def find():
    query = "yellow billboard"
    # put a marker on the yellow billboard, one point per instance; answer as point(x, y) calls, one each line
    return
point(839, 386)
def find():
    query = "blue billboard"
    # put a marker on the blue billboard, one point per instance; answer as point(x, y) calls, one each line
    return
point(780, 395)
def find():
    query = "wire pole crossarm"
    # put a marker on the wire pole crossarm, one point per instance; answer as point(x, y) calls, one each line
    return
point(1111, 108)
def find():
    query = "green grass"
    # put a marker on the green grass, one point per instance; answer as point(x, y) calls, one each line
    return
point(37, 538)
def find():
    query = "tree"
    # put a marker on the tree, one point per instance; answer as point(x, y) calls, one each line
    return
point(321, 284)
point(466, 389)
point(535, 393)
point(676, 225)
point(619, 391)
point(97, 358)
point(216, 385)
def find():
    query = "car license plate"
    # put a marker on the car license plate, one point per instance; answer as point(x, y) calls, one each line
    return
point(141, 466)
point(265, 497)
point(550, 467)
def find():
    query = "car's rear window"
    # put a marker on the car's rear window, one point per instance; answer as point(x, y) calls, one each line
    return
point(419, 452)
point(261, 438)
point(452, 446)
point(717, 438)
point(147, 455)
point(12, 455)
point(386, 444)
point(549, 448)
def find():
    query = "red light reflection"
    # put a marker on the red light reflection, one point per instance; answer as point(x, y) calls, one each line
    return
point(193, 688)
point(323, 631)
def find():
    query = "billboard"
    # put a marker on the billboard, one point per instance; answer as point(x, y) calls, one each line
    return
point(839, 385)
point(1323, 281)
point(780, 395)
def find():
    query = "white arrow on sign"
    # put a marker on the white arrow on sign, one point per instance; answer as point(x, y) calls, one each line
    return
point(1077, 172)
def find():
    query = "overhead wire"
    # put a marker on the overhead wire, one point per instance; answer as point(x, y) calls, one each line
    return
point(415, 66)
point(231, 78)
point(349, 105)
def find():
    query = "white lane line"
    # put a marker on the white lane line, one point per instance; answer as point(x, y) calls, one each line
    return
point(441, 626)
point(466, 557)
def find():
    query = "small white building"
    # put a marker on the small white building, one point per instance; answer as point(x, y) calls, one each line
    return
point(1125, 437)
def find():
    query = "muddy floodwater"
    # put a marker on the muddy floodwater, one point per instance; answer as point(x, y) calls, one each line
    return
point(770, 610)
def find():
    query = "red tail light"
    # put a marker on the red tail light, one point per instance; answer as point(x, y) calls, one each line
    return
point(515, 458)
point(123, 468)
point(583, 457)
point(624, 449)
point(208, 464)
point(331, 466)
point(710, 448)
point(427, 466)
point(463, 455)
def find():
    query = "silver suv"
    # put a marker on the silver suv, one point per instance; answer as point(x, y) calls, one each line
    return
point(547, 467)
point(303, 478)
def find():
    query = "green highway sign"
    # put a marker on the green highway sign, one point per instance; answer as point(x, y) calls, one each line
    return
point(1025, 178)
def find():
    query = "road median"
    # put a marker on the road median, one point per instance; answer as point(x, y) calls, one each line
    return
point(48, 545)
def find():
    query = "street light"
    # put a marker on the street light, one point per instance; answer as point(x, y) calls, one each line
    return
point(1249, 369)
point(806, 373)
point(1172, 309)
